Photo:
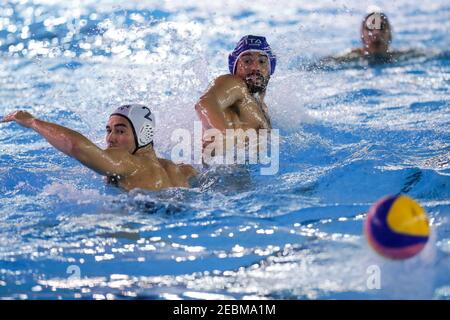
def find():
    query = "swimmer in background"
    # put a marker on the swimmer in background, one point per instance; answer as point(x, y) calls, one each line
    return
point(129, 160)
point(236, 100)
point(376, 37)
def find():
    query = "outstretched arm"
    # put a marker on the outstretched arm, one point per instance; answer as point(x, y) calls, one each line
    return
point(74, 144)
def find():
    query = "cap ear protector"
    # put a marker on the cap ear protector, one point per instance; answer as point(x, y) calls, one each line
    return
point(255, 44)
point(142, 123)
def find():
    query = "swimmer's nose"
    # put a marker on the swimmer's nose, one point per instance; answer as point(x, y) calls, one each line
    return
point(376, 33)
point(252, 67)
point(110, 139)
point(255, 67)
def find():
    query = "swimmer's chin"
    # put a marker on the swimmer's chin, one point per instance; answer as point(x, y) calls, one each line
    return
point(257, 83)
point(113, 147)
point(257, 80)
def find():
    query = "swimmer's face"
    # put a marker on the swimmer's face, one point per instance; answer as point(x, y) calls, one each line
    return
point(376, 33)
point(119, 134)
point(254, 69)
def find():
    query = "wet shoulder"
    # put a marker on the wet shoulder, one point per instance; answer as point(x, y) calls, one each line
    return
point(166, 164)
point(224, 86)
point(121, 155)
point(179, 174)
point(352, 55)
point(406, 54)
point(188, 170)
point(228, 81)
point(145, 165)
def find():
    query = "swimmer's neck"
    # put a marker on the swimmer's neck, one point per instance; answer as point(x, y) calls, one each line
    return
point(259, 96)
point(368, 50)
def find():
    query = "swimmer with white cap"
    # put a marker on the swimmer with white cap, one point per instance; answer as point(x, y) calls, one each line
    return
point(129, 160)
point(376, 35)
point(376, 38)
point(236, 100)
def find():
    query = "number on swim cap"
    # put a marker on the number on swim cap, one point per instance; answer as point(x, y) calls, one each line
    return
point(374, 21)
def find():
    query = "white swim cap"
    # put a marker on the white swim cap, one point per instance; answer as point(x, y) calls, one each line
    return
point(142, 122)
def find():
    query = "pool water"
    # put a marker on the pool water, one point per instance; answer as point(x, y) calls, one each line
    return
point(349, 136)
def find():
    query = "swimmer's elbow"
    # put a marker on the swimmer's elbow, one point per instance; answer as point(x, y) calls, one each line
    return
point(202, 110)
point(202, 105)
point(66, 145)
point(206, 105)
point(198, 106)
point(75, 149)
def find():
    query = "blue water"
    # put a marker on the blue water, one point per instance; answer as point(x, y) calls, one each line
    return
point(349, 136)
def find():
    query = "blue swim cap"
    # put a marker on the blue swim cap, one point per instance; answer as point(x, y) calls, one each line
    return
point(251, 43)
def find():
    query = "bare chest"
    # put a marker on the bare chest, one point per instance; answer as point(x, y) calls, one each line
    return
point(251, 112)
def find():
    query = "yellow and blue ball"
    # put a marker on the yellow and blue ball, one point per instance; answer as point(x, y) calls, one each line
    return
point(397, 227)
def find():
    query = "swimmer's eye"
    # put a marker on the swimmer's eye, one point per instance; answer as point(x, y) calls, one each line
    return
point(249, 61)
point(262, 60)
point(108, 131)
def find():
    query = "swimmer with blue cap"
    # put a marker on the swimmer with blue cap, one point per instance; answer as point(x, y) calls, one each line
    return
point(129, 161)
point(236, 100)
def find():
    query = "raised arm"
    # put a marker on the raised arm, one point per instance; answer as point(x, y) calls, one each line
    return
point(74, 144)
point(223, 93)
